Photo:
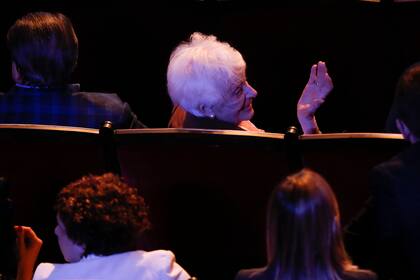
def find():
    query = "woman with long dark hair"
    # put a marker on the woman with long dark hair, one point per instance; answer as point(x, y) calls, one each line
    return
point(304, 239)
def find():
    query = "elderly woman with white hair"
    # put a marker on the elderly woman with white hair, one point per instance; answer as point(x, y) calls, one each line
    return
point(208, 87)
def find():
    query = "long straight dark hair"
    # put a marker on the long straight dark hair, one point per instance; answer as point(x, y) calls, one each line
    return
point(303, 230)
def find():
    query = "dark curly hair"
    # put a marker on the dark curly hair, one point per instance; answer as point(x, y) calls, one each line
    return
point(102, 213)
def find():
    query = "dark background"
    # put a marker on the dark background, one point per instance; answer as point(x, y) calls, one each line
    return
point(125, 47)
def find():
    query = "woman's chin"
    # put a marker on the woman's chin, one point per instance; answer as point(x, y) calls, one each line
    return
point(247, 115)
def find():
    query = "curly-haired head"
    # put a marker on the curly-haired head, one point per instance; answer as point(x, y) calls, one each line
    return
point(103, 214)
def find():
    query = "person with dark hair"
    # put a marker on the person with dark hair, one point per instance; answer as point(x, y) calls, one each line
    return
point(396, 189)
point(304, 239)
point(44, 53)
point(407, 85)
point(99, 222)
point(209, 89)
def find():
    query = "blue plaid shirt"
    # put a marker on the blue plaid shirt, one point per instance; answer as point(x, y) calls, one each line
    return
point(67, 106)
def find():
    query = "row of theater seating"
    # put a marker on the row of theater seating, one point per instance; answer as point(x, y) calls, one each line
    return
point(206, 189)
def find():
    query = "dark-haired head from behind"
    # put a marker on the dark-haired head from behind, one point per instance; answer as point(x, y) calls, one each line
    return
point(44, 49)
point(408, 100)
point(102, 214)
point(304, 239)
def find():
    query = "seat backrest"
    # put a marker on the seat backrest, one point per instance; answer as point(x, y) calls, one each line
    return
point(207, 191)
point(37, 161)
point(345, 160)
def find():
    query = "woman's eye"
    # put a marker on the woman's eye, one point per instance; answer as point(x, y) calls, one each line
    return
point(238, 91)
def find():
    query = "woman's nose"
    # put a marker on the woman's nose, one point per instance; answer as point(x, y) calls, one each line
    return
point(249, 91)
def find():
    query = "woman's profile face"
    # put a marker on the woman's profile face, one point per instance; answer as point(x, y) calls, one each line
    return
point(237, 105)
point(71, 251)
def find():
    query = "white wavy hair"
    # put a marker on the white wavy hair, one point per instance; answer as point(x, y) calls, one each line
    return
point(203, 71)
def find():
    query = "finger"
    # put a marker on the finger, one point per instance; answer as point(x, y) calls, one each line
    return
point(318, 102)
point(20, 239)
point(322, 69)
point(312, 76)
point(31, 236)
point(19, 231)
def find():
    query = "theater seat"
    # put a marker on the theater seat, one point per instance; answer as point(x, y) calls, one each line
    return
point(208, 189)
point(345, 160)
point(38, 160)
point(207, 192)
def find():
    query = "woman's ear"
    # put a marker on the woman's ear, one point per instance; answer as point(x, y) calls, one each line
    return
point(204, 111)
point(17, 77)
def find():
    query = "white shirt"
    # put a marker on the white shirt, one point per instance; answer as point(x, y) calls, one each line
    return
point(154, 265)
